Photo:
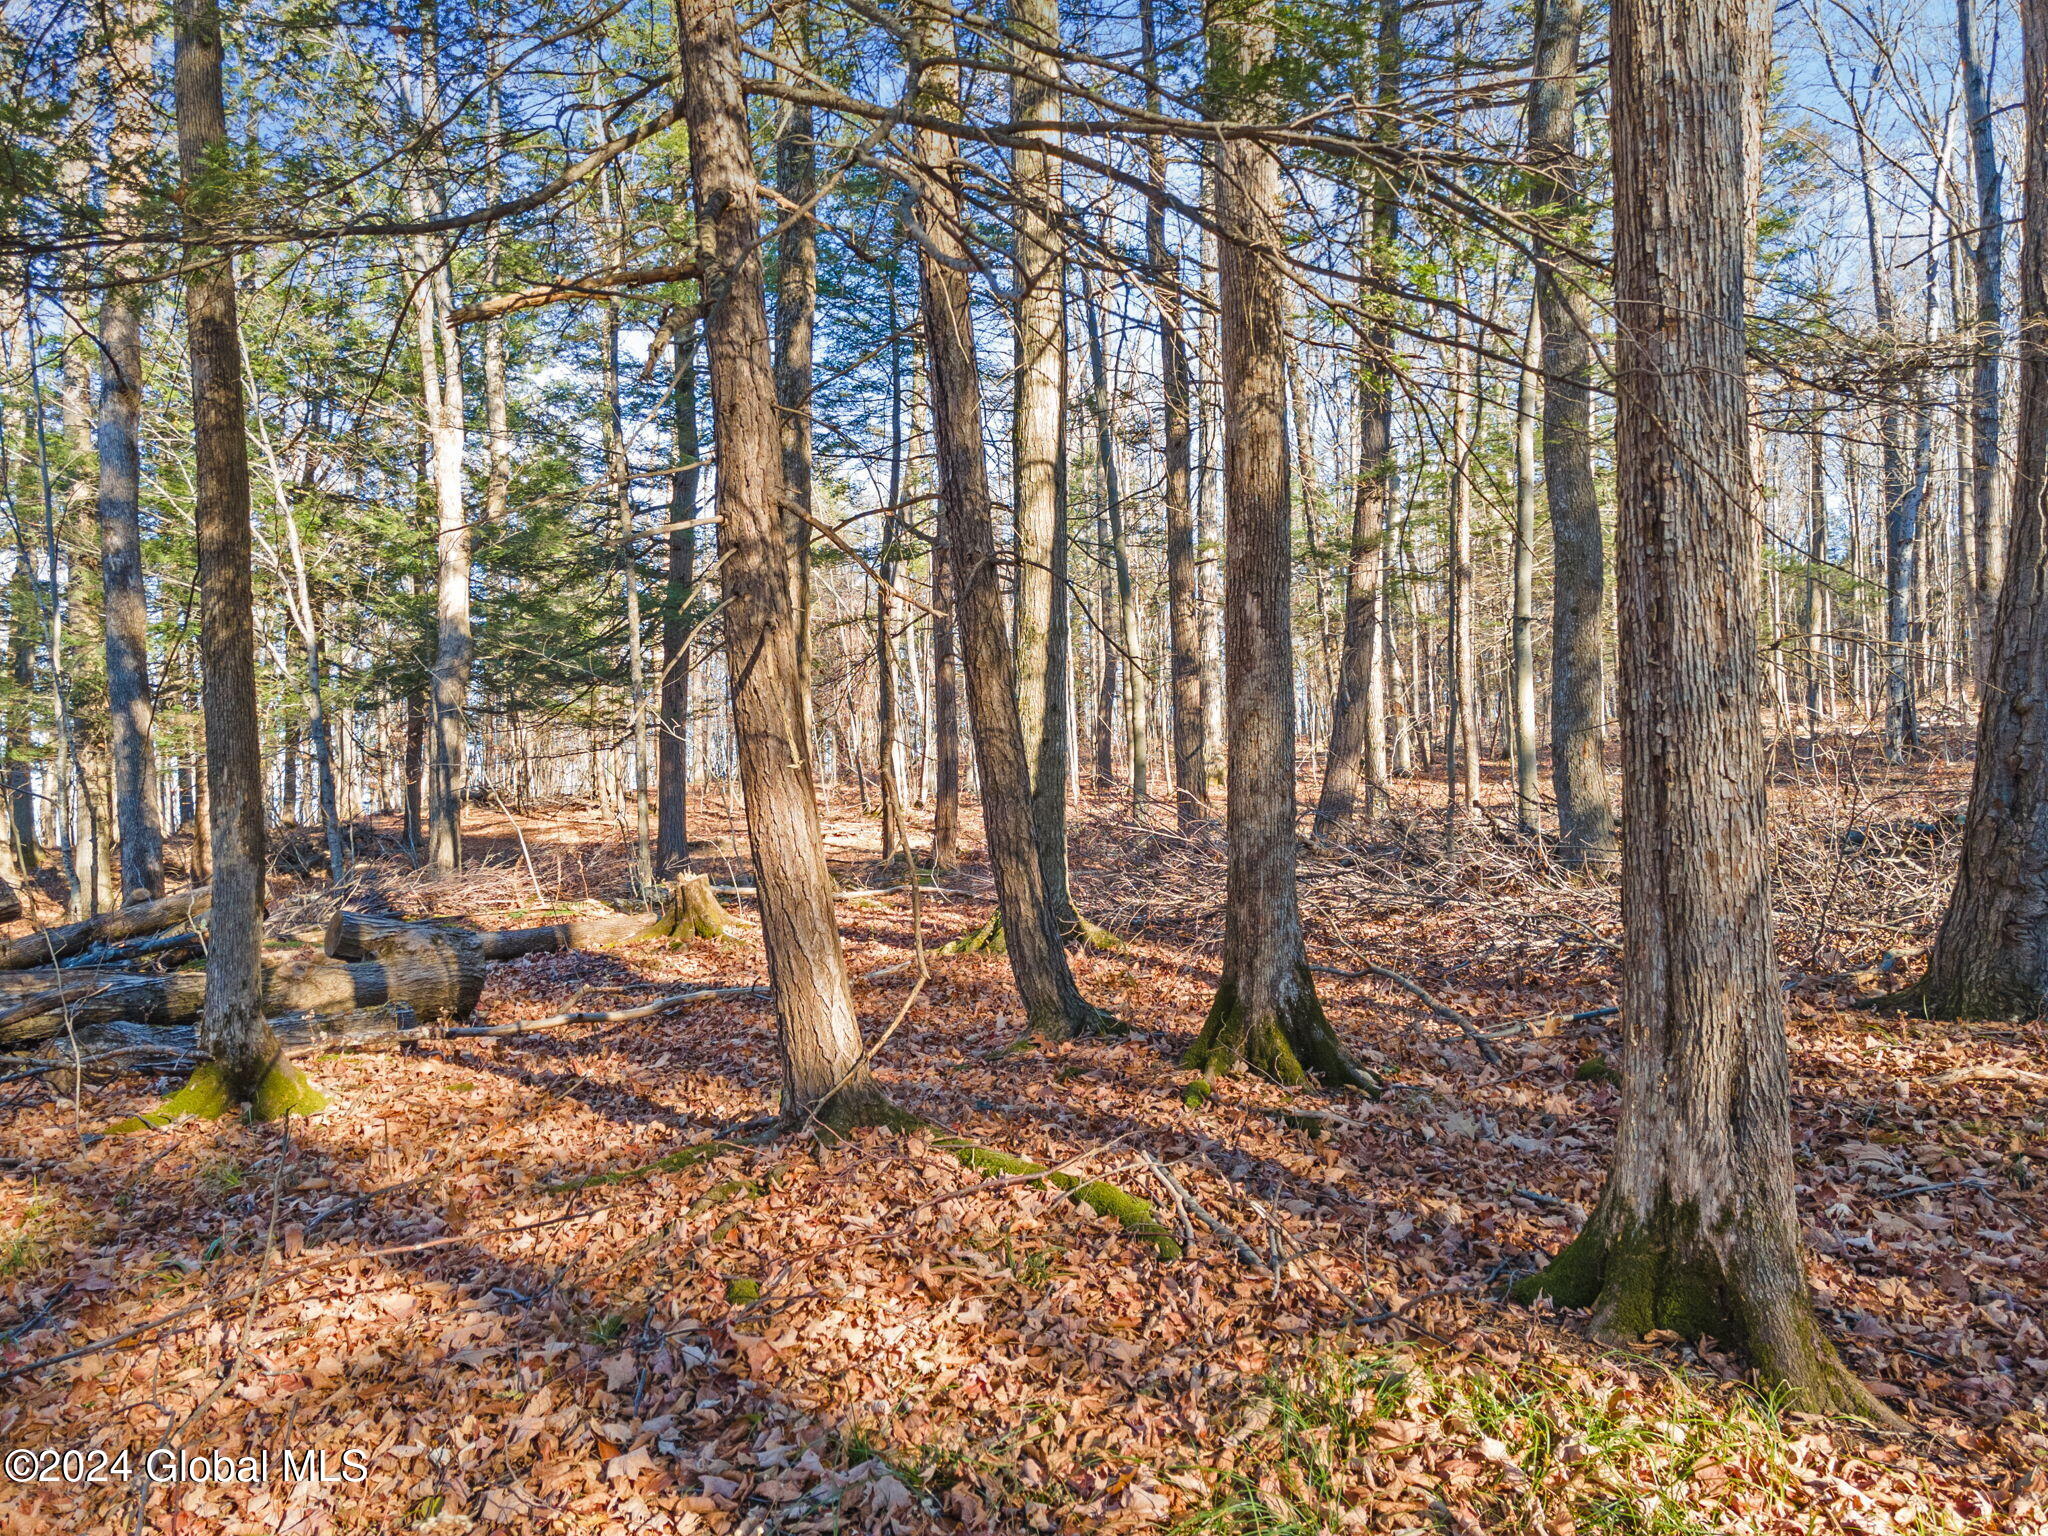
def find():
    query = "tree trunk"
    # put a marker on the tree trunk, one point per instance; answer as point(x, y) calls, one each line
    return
point(1696, 1229)
point(232, 1031)
point(1053, 1005)
point(1125, 642)
point(1990, 958)
point(1578, 729)
point(1987, 270)
point(629, 586)
point(1461, 738)
point(1522, 556)
point(1357, 756)
point(129, 697)
point(1811, 618)
point(796, 316)
point(1043, 628)
point(945, 714)
point(672, 766)
point(1183, 589)
point(1266, 1014)
point(824, 1068)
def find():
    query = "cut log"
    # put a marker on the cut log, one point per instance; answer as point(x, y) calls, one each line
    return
point(47, 946)
point(10, 902)
point(438, 974)
point(584, 933)
point(121, 1045)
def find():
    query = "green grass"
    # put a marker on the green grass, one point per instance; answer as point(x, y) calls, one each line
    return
point(1619, 1456)
point(24, 1250)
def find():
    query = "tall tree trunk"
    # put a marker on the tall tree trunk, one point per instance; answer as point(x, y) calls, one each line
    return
point(1578, 770)
point(232, 1029)
point(1043, 625)
point(629, 585)
point(672, 766)
point(1266, 1014)
point(1126, 640)
point(1461, 737)
point(824, 1068)
point(129, 699)
point(945, 713)
point(796, 317)
point(888, 733)
point(1357, 757)
point(1811, 618)
point(1183, 588)
point(1053, 1005)
point(1696, 1229)
point(497, 414)
point(441, 379)
point(1987, 270)
point(1523, 559)
point(1990, 958)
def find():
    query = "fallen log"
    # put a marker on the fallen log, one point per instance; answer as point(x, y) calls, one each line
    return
point(10, 902)
point(47, 946)
point(690, 910)
point(107, 1050)
point(438, 975)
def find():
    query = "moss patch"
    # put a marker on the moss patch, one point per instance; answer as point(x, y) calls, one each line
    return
point(285, 1090)
point(741, 1291)
point(1136, 1216)
point(1597, 1069)
point(675, 1162)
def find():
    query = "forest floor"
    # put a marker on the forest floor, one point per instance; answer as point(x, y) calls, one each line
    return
point(476, 1270)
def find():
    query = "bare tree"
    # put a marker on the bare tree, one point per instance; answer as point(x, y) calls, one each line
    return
point(1696, 1228)
point(824, 1068)
point(1266, 1014)
point(1053, 1005)
point(1578, 733)
point(129, 699)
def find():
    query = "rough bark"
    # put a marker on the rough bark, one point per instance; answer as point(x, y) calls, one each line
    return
point(1696, 1228)
point(945, 714)
point(137, 818)
point(1522, 558)
point(1266, 1014)
point(1578, 770)
point(232, 1031)
point(825, 1071)
point(1053, 1005)
point(1990, 957)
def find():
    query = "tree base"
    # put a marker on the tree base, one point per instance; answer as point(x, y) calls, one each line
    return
point(1645, 1277)
point(1291, 1047)
point(691, 911)
point(209, 1094)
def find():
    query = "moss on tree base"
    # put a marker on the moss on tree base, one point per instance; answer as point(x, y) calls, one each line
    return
point(1291, 1047)
point(209, 1094)
point(1663, 1276)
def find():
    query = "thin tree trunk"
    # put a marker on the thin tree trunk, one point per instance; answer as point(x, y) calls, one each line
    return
point(796, 316)
point(1183, 592)
point(129, 699)
point(1987, 270)
point(1578, 770)
point(1053, 1005)
point(825, 1070)
point(672, 766)
point(1696, 1229)
point(1990, 957)
point(1524, 561)
point(1461, 737)
point(1266, 1014)
point(1126, 641)
point(1811, 617)
point(232, 1030)
point(1043, 623)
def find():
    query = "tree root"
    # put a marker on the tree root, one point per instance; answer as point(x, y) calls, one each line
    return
point(988, 938)
point(1135, 1215)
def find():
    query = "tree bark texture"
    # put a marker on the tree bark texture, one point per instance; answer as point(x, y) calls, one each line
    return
point(825, 1072)
point(232, 1031)
point(1053, 1005)
point(1696, 1229)
point(1266, 1014)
